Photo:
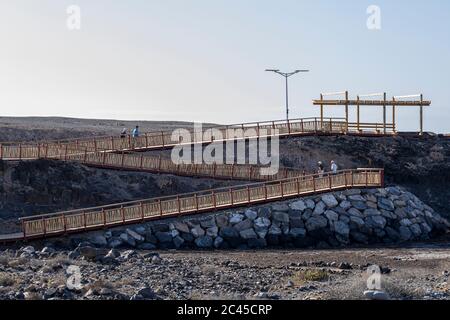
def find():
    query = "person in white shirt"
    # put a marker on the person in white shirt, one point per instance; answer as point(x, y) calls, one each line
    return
point(334, 167)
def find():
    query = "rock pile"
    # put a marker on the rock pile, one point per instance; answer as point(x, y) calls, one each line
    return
point(351, 217)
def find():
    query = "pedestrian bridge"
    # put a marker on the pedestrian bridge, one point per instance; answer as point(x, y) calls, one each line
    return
point(88, 219)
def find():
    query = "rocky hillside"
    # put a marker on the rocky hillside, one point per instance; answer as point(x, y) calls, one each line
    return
point(46, 186)
point(420, 164)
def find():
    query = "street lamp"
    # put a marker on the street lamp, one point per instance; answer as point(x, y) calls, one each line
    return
point(286, 75)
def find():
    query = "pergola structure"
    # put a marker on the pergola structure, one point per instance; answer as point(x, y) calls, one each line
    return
point(396, 101)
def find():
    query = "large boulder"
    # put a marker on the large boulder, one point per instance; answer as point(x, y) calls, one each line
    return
point(248, 234)
point(204, 242)
point(280, 216)
point(316, 222)
point(299, 205)
point(329, 200)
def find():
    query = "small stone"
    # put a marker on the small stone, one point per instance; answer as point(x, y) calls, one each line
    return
point(147, 293)
point(376, 295)
point(28, 249)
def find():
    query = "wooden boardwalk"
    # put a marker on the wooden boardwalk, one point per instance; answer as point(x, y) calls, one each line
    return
point(75, 221)
point(63, 149)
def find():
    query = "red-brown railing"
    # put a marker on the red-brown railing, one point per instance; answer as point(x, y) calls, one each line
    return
point(157, 208)
point(65, 148)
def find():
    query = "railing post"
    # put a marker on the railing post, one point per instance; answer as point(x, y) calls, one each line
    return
point(329, 182)
point(232, 171)
point(65, 223)
point(159, 163)
point(214, 199)
point(104, 158)
point(122, 212)
point(231, 196)
point(146, 140)
point(39, 151)
point(265, 191)
point(298, 185)
point(353, 179)
point(248, 194)
point(315, 125)
point(1, 151)
point(84, 220)
point(123, 159)
point(178, 205)
point(250, 173)
point(289, 127)
point(302, 127)
point(46, 151)
point(142, 162)
point(160, 207)
point(85, 155)
point(112, 143)
point(382, 178)
point(162, 138)
point(95, 145)
point(24, 229)
point(104, 217)
point(44, 226)
point(142, 211)
point(196, 202)
point(65, 152)
point(20, 151)
point(367, 178)
point(314, 184)
point(281, 187)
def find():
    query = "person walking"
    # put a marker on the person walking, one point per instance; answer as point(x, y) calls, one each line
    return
point(334, 167)
point(123, 134)
point(135, 132)
point(320, 171)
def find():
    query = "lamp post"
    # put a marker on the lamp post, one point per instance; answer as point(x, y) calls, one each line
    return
point(286, 76)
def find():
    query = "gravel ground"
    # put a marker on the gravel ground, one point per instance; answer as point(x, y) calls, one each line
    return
point(417, 272)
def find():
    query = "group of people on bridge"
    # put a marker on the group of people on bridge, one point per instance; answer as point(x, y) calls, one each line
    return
point(321, 168)
point(134, 132)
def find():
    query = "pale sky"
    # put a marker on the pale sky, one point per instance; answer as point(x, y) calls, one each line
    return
point(204, 60)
